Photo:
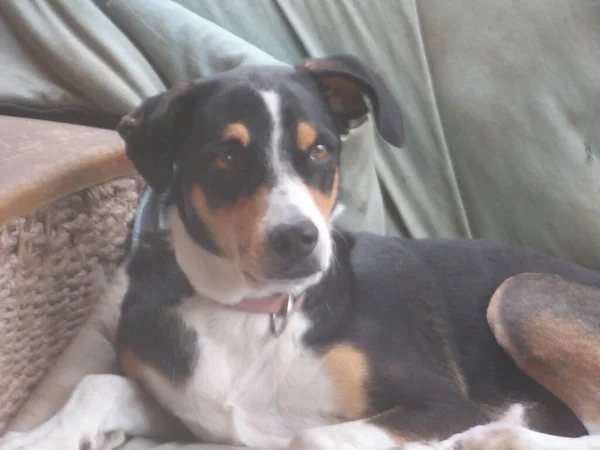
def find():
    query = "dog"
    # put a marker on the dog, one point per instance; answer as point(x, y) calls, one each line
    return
point(249, 319)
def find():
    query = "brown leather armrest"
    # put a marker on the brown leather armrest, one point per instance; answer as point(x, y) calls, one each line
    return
point(41, 162)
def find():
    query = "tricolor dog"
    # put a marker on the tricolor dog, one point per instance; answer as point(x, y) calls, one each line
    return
point(249, 320)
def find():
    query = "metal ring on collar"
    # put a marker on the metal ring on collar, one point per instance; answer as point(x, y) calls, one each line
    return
point(284, 315)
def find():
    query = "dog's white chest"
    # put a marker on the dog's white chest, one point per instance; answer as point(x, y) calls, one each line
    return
point(250, 387)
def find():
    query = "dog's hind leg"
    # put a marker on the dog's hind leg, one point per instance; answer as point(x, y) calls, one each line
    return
point(551, 328)
point(510, 433)
point(102, 410)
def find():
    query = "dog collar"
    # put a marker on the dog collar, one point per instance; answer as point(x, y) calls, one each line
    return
point(279, 307)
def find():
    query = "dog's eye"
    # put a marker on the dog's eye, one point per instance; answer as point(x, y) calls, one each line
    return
point(224, 161)
point(318, 151)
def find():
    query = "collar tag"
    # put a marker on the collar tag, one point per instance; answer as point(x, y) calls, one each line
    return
point(278, 321)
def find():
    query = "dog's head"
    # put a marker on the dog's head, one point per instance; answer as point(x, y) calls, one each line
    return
point(253, 154)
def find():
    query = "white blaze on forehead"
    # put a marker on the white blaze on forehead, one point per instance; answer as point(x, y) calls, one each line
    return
point(273, 103)
point(290, 199)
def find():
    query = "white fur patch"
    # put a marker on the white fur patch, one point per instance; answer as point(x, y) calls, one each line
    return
point(510, 433)
point(98, 414)
point(248, 387)
point(273, 104)
point(358, 435)
point(211, 275)
point(498, 435)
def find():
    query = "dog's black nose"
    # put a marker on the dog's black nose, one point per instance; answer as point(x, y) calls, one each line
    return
point(293, 241)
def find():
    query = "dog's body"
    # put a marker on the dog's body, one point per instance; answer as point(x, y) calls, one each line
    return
point(397, 322)
point(385, 343)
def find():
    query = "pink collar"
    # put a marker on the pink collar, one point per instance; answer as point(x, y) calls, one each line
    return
point(278, 307)
point(273, 304)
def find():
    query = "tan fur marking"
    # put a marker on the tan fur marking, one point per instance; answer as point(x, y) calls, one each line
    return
point(566, 359)
point(132, 367)
point(235, 229)
point(306, 135)
point(493, 315)
point(325, 202)
point(349, 369)
point(237, 131)
point(560, 352)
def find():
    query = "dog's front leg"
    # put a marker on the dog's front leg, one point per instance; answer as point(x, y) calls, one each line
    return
point(406, 427)
point(97, 416)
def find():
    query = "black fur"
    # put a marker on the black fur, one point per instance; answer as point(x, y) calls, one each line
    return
point(192, 223)
point(149, 326)
point(415, 307)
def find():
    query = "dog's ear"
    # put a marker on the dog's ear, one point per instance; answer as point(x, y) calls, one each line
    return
point(152, 132)
point(345, 80)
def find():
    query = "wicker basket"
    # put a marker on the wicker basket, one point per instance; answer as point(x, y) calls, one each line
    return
point(64, 229)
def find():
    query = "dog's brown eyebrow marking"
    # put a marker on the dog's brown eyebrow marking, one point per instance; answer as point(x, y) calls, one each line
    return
point(306, 135)
point(239, 132)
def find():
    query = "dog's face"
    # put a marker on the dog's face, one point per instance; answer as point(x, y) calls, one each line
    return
point(256, 154)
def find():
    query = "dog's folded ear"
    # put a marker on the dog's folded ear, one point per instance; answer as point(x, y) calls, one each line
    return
point(152, 132)
point(345, 80)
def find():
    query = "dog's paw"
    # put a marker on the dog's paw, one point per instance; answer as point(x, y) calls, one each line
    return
point(57, 440)
point(104, 441)
point(347, 436)
point(315, 440)
point(502, 436)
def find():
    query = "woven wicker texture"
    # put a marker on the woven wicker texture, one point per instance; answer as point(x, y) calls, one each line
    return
point(53, 266)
